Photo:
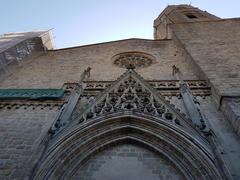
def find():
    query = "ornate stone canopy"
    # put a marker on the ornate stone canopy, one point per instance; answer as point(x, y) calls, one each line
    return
point(129, 110)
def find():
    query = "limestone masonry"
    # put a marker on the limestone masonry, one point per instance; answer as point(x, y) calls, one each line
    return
point(167, 108)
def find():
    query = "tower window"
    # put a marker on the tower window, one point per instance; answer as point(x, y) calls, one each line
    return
point(191, 16)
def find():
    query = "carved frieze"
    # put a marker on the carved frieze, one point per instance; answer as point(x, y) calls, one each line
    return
point(164, 87)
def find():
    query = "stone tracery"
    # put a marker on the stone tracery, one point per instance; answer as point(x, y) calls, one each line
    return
point(135, 59)
point(129, 94)
point(129, 109)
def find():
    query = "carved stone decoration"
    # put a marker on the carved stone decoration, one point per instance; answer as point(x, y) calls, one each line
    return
point(130, 94)
point(191, 105)
point(67, 109)
point(133, 60)
point(129, 109)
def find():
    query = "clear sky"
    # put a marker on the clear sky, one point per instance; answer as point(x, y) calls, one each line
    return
point(80, 22)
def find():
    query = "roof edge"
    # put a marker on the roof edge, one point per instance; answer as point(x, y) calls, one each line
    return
point(108, 42)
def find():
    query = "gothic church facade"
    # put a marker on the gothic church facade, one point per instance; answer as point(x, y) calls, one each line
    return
point(167, 108)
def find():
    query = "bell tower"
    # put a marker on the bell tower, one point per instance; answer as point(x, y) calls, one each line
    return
point(176, 14)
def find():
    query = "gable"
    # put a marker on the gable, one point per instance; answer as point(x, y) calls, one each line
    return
point(130, 94)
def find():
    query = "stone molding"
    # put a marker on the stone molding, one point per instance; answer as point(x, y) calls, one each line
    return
point(183, 150)
point(132, 110)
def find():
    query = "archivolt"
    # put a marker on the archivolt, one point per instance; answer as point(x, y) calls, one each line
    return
point(184, 151)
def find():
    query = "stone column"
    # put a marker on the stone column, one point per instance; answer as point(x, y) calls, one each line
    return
point(67, 109)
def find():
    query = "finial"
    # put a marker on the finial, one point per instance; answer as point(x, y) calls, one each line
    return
point(85, 74)
point(130, 66)
point(87, 71)
point(175, 70)
point(177, 73)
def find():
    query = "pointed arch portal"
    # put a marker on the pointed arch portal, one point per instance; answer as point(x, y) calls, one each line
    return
point(128, 114)
point(187, 155)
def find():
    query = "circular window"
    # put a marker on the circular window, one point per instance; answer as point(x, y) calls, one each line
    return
point(133, 60)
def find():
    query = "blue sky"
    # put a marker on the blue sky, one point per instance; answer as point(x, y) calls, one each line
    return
point(80, 22)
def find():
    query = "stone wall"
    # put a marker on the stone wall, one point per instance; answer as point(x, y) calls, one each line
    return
point(57, 67)
point(214, 46)
point(228, 143)
point(127, 161)
point(201, 50)
point(21, 131)
point(231, 109)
